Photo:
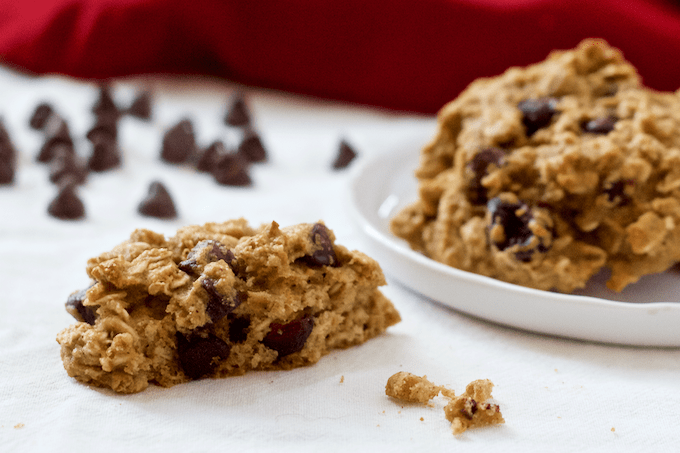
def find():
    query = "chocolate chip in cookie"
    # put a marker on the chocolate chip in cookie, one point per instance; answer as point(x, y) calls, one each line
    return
point(198, 356)
point(82, 313)
point(219, 305)
point(478, 168)
point(602, 125)
point(324, 255)
point(158, 203)
point(537, 113)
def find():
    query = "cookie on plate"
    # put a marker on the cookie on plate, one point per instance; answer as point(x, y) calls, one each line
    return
point(544, 175)
point(219, 300)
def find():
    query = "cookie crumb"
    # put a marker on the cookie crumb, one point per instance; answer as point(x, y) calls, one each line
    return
point(613, 430)
point(18, 426)
point(468, 410)
point(422, 419)
point(342, 379)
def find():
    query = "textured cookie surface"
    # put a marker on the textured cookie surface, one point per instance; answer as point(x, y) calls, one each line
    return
point(546, 174)
point(218, 300)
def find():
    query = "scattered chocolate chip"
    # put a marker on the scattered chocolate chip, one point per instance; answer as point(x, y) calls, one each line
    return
point(64, 164)
point(199, 356)
point(478, 166)
point(104, 125)
point(105, 154)
point(325, 254)
point(179, 143)
point(600, 125)
point(141, 106)
point(251, 147)
point(208, 158)
point(219, 305)
point(207, 251)
point(238, 329)
point(346, 154)
point(537, 113)
point(56, 134)
point(289, 338)
point(75, 307)
point(67, 205)
point(105, 104)
point(8, 157)
point(40, 116)
point(232, 170)
point(237, 113)
point(158, 203)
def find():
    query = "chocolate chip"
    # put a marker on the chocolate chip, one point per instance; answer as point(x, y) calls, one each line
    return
point(251, 147)
point(478, 166)
point(179, 143)
point(158, 203)
point(238, 329)
point(602, 125)
point(289, 338)
point(514, 218)
point(199, 356)
point(40, 116)
point(75, 307)
point(105, 154)
point(325, 254)
point(67, 205)
point(346, 154)
point(537, 113)
point(56, 134)
point(104, 125)
point(105, 104)
point(66, 164)
point(141, 106)
point(232, 170)
point(237, 113)
point(219, 305)
point(209, 157)
point(616, 192)
point(207, 251)
point(8, 157)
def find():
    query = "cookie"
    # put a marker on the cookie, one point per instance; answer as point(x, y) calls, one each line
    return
point(219, 300)
point(544, 175)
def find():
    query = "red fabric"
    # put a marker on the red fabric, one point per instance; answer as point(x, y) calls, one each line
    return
point(401, 54)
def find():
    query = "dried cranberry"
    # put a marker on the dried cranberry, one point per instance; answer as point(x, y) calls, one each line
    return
point(537, 113)
point(600, 125)
point(479, 166)
point(469, 409)
point(325, 255)
point(289, 338)
point(198, 356)
point(219, 305)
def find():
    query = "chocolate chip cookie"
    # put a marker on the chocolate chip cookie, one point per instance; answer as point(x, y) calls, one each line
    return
point(219, 300)
point(546, 174)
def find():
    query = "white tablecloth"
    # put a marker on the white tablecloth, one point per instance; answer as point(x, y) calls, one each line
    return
point(555, 394)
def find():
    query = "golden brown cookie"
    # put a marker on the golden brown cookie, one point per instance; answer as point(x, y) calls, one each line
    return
point(219, 300)
point(545, 174)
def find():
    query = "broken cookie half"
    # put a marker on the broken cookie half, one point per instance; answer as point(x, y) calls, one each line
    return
point(219, 300)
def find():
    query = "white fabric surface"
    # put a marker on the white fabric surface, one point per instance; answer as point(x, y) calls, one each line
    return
point(555, 394)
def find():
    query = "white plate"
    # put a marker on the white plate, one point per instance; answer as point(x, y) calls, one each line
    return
point(644, 314)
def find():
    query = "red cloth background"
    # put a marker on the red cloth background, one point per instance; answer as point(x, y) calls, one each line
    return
point(401, 54)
